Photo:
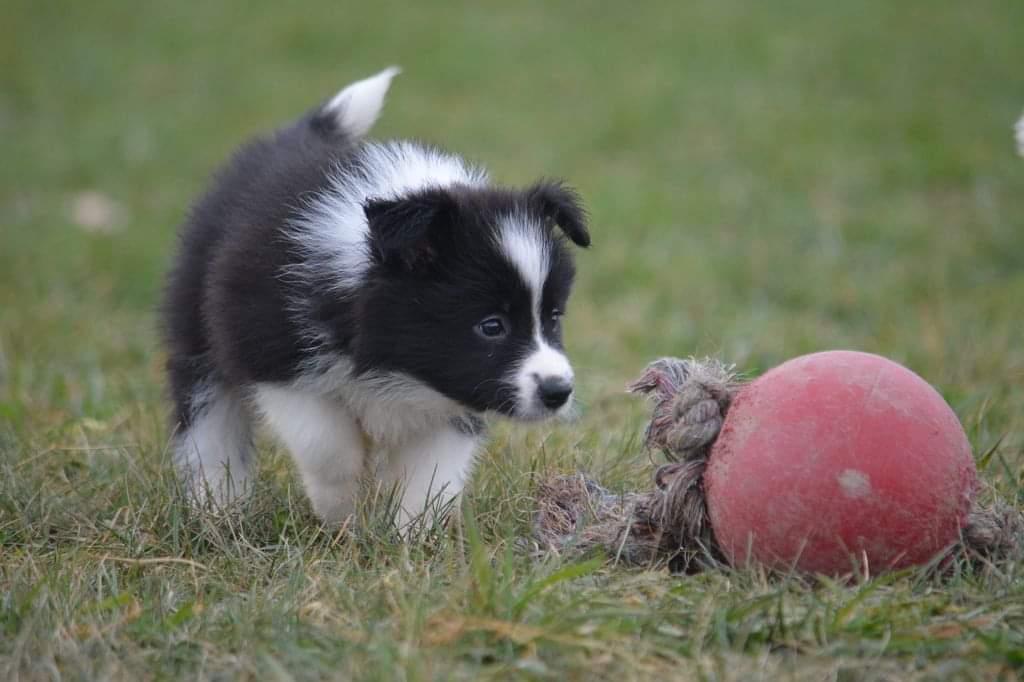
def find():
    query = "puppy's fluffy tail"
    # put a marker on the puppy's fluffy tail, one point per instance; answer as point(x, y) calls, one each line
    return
point(354, 110)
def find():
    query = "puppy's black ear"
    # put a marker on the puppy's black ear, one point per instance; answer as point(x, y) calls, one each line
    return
point(403, 232)
point(562, 205)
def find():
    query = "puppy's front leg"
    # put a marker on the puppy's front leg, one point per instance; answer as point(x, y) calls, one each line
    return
point(431, 469)
point(326, 444)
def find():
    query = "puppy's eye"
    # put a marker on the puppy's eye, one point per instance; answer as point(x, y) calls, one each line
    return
point(492, 328)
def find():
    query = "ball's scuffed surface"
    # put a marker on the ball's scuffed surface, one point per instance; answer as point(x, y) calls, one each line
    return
point(835, 456)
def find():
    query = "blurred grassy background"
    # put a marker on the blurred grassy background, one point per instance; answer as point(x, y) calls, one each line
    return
point(765, 180)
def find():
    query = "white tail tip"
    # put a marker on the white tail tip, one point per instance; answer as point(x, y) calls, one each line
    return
point(357, 107)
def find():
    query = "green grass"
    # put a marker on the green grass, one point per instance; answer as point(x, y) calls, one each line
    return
point(765, 180)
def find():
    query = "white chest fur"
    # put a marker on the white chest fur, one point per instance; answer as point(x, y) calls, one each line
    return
point(391, 409)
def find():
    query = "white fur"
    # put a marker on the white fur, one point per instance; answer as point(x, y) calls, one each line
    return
point(215, 451)
point(331, 234)
point(357, 107)
point(525, 248)
point(543, 363)
point(523, 245)
point(391, 408)
point(341, 429)
point(430, 470)
point(326, 443)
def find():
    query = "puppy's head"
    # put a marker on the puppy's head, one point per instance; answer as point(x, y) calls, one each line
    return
point(467, 290)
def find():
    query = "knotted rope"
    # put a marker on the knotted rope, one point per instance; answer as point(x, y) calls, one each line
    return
point(670, 523)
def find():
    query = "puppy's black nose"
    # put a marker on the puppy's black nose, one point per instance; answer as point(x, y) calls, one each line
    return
point(554, 391)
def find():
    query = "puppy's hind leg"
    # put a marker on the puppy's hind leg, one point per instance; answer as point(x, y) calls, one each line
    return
point(213, 446)
point(326, 443)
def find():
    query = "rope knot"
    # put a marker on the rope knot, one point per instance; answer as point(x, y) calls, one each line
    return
point(690, 400)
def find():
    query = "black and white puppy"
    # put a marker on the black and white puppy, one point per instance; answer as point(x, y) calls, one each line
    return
point(370, 301)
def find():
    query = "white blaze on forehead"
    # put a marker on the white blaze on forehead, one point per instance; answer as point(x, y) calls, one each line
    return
point(528, 250)
point(524, 245)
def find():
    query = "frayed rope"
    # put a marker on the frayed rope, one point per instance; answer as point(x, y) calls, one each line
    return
point(670, 523)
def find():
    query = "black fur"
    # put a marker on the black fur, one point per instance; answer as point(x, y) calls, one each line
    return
point(561, 205)
point(235, 315)
point(223, 307)
point(418, 313)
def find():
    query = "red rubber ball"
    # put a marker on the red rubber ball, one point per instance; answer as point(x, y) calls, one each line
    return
point(837, 457)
